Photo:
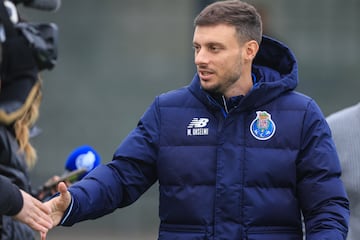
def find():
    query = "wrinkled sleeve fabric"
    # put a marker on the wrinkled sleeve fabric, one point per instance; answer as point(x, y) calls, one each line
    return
point(123, 180)
point(11, 200)
point(321, 192)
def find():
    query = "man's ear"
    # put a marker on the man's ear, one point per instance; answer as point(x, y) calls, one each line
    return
point(250, 50)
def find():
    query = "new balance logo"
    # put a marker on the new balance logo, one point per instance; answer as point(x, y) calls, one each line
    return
point(197, 127)
point(198, 123)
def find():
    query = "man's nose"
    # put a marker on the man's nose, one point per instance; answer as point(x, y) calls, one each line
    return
point(201, 57)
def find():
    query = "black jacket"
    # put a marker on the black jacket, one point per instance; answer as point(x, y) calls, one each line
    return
point(18, 75)
point(11, 200)
point(14, 168)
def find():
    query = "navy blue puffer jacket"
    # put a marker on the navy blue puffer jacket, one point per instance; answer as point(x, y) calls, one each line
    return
point(249, 174)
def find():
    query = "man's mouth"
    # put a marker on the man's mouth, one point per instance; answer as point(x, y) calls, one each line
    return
point(205, 74)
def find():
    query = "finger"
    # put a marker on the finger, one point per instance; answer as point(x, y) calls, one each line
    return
point(40, 205)
point(64, 193)
point(44, 221)
point(37, 227)
point(42, 213)
point(42, 235)
point(39, 221)
point(62, 188)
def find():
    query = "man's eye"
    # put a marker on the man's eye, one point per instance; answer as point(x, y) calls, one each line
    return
point(196, 48)
point(214, 49)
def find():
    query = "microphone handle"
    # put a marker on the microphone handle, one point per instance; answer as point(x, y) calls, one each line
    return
point(68, 177)
point(47, 189)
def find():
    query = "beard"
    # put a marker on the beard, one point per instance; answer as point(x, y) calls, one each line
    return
point(222, 84)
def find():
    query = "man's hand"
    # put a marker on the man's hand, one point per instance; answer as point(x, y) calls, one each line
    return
point(34, 213)
point(58, 206)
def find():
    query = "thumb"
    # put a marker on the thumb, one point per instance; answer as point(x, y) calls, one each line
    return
point(62, 188)
point(64, 193)
point(59, 204)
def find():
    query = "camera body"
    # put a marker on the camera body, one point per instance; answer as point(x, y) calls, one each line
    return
point(42, 38)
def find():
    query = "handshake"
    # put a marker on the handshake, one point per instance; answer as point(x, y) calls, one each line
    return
point(44, 216)
point(43, 211)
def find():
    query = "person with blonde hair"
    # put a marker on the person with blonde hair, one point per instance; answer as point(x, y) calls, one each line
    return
point(20, 98)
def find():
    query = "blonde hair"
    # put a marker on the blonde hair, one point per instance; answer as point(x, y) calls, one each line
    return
point(24, 123)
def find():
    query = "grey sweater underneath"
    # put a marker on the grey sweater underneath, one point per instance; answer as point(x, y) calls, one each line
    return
point(345, 127)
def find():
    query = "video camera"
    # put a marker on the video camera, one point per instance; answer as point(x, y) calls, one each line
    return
point(41, 37)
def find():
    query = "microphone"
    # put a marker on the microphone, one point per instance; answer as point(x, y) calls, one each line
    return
point(83, 158)
point(79, 163)
point(46, 5)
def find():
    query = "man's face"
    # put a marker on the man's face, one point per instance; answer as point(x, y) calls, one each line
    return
point(218, 57)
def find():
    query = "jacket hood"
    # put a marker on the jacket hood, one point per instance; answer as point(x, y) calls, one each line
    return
point(276, 64)
point(275, 71)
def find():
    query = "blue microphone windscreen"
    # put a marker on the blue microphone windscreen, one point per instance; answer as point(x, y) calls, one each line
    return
point(82, 157)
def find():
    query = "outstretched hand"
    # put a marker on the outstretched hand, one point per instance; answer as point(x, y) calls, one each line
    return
point(58, 206)
point(34, 213)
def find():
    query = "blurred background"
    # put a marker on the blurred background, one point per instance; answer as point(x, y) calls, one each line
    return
point(116, 56)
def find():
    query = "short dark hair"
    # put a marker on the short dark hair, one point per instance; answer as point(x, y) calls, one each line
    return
point(243, 16)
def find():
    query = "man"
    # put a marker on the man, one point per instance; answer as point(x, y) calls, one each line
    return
point(237, 153)
point(344, 125)
point(23, 207)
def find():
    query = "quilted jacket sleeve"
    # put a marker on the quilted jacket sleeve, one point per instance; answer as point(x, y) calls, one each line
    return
point(321, 192)
point(121, 181)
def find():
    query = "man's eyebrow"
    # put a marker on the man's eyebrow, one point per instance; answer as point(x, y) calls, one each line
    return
point(209, 43)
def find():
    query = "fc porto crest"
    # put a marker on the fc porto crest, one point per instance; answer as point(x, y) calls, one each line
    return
point(262, 127)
